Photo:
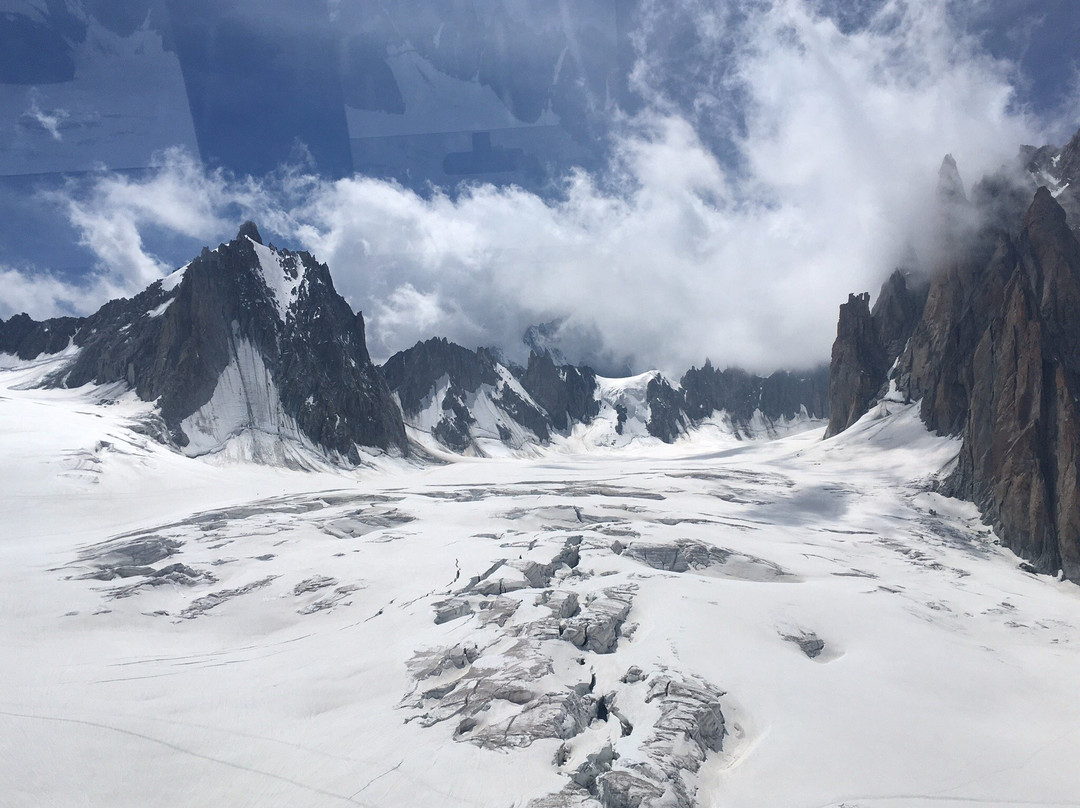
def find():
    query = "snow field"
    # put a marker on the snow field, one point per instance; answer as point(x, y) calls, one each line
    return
point(947, 678)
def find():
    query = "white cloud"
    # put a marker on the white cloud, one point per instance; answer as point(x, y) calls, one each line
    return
point(670, 256)
point(177, 196)
point(683, 258)
point(49, 121)
point(46, 295)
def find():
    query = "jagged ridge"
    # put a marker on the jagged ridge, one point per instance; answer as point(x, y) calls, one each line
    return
point(994, 358)
point(461, 397)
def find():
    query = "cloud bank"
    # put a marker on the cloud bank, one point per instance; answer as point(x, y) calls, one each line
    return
point(680, 250)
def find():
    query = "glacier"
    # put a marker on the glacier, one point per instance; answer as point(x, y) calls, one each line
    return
point(188, 631)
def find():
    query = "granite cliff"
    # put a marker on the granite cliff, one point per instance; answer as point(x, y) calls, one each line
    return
point(991, 351)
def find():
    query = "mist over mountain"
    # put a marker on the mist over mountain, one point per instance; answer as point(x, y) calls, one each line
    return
point(738, 166)
point(985, 339)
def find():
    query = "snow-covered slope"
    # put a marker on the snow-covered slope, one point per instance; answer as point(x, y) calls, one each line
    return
point(486, 430)
point(784, 623)
point(244, 419)
point(283, 273)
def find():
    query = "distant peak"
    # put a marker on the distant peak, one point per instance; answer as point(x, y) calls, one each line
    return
point(950, 186)
point(249, 230)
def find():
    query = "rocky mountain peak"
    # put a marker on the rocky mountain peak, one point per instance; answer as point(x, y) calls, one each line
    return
point(249, 230)
point(1059, 170)
point(566, 392)
point(782, 395)
point(413, 374)
point(246, 344)
point(544, 339)
point(897, 310)
point(950, 188)
point(1068, 162)
point(27, 338)
point(463, 397)
point(1021, 440)
point(1050, 254)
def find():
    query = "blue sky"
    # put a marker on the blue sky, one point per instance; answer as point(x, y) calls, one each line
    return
point(133, 132)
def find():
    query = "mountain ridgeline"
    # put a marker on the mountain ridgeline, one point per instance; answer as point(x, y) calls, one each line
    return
point(472, 401)
point(250, 350)
point(988, 341)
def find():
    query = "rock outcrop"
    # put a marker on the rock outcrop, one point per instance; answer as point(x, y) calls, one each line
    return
point(995, 354)
point(858, 365)
point(667, 419)
point(868, 343)
point(1059, 170)
point(566, 392)
point(413, 373)
point(936, 367)
point(897, 310)
point(461, 396)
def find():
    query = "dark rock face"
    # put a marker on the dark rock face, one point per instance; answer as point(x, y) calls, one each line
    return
point(667, 418)
point(543, 398)
point(1019, 417)
point(936, 365)
point(995, 358)
point(326, 377)
point(1001, 198)
point(950, 189)
point(122, 342)
point(249, 230)
point(415, 375)
point(897, 310)
point(867, 344)
point(566, 392)
point(740, 394)
point(809, 643)
point(858, 365)
point(995, 355)
point(28, 339)
point(1068, 167)
point(785, 394)
point(543, 339)
point(172, 343)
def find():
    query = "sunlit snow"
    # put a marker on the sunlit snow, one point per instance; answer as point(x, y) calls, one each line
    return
point(283, 281)
point(279, 668)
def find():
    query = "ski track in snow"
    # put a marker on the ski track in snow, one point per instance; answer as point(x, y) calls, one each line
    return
point(183, 751)
point(186, 632)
